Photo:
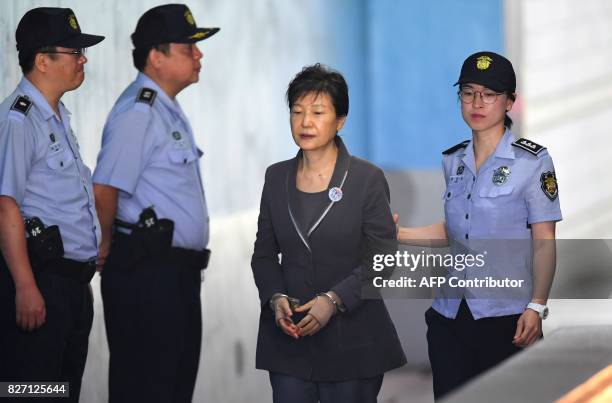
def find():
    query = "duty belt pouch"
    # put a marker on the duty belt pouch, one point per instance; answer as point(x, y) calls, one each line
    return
point(150, 237)
point(44, 243)
point(154, 240)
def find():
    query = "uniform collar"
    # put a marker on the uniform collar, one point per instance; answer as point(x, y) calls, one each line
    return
point(503, 149)
point(145, 81)
point(38, 99)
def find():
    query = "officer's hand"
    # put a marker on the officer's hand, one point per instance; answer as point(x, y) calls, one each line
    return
point(282, 313)
point(30, 308)
point(528, 329)
point(320, 310)
point(104, 250)
point(396, 221)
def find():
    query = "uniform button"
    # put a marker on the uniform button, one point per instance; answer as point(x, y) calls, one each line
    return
point(469, 196)
point(467, 216)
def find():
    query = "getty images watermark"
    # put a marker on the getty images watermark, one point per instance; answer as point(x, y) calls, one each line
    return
point(455, 262)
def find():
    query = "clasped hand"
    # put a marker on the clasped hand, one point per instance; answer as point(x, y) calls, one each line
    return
point(319, 309)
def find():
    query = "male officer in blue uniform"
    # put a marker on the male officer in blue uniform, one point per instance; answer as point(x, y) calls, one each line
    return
point(44, 293)
point(151, 205)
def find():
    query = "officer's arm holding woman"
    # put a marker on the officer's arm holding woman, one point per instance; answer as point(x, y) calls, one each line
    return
point(433, 235)
point(501, 191)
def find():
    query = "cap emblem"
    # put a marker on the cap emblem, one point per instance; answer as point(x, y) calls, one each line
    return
point(198, 35)
point(189, 17)
point(483, 62)
point(73, 22)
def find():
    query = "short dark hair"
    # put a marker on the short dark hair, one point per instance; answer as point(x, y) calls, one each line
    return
point(320, 79)
point(140, 55)
point(26, 59)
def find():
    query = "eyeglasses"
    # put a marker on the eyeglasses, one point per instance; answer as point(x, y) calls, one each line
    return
point(468, 95)
point(76, 52)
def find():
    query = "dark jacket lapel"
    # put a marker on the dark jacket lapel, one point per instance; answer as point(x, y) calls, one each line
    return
point(337, 181)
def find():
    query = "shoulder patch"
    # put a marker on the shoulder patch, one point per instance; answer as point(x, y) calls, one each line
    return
point(456, 147)
point(22, 105)
point(146, 95)
point(528, 145)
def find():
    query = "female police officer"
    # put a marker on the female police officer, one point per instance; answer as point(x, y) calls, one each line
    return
point(319, 210)
point(501, 197)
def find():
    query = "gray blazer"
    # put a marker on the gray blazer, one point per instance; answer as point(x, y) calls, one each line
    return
point(332, 254)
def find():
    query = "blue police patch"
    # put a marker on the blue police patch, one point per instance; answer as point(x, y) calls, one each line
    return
point(501, 175)
point(548, 182)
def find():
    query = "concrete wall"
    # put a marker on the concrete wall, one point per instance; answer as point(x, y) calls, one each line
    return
point(566, 77)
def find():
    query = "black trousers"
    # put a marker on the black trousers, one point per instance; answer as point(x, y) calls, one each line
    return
point(56, 351)
point(462, 348)
point(290, 389)
point(153, 319)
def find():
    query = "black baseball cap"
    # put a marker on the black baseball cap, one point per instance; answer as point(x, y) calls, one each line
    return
point(170, 23)
point(51, 26)
point(489, 69)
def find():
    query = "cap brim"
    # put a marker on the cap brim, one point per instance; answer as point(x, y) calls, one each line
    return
point(490, 84)
point(81, 41)
point(200, 34)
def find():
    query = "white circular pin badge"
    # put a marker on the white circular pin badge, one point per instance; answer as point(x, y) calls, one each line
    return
point(335, 194)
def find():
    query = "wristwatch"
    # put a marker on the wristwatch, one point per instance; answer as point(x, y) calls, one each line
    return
point(542, 310)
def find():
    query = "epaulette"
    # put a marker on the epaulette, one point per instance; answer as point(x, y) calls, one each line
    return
point(22, 105)
point(456, 147)
point(146, 95)
point(529, 146)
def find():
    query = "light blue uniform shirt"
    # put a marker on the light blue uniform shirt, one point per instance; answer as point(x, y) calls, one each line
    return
point(149, 154)
point(41, 168)
point(491, 210)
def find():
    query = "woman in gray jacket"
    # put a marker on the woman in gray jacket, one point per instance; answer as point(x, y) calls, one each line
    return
point(323, 215)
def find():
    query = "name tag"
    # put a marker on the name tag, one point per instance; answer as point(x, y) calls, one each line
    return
point(455, 179)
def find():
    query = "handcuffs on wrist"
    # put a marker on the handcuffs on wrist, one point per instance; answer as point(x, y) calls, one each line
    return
point(293, 302)
point(339, 307)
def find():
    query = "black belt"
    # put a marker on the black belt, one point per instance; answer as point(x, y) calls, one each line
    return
point(82, 272)
point(196, 259)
